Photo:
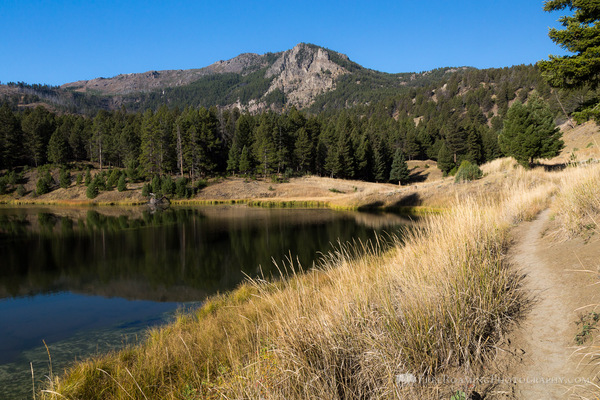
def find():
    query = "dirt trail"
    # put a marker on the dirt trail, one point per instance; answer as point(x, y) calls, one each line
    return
point(551, 367)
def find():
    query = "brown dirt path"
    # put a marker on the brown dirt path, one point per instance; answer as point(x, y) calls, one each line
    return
point(551, 366)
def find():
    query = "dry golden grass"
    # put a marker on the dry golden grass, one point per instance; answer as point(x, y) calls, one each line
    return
point(577, 213)
point(577, 205)
point(436, 303)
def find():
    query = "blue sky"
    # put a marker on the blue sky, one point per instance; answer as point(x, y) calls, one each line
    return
point(61, 41)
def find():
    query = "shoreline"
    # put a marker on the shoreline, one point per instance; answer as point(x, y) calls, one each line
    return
point(463, 298)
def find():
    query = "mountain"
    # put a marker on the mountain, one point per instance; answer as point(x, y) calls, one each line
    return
point(296, 77)
point(306, 76)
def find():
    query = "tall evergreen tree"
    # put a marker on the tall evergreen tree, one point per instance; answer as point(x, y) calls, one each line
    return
point(364, 159)
point(399, 172)
point(445, 159)
point(150, 145)
point(37, 126)
point(10, 137)
point(530, 133)
point(265, 148)
point(245, 161)
point(58, 147)
point(100, 137)
point(581, 37)
point(303, 151)
point(474, 150)
point(380, 162)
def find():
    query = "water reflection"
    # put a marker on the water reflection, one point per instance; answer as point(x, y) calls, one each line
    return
point(180, 254)
point(81, 279)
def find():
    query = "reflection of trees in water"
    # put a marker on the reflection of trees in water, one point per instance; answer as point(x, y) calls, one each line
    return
point(176, 248)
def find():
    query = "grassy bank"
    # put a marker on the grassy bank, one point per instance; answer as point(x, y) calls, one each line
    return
point(433, 305)
point(577, 214)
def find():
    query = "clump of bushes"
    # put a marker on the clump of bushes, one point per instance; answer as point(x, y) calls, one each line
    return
point(467, 172)
point(44, 183)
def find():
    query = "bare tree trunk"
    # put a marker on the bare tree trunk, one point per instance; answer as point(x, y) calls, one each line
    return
point(100, 153)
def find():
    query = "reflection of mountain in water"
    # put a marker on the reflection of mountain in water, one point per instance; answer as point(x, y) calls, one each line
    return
point(180, 254)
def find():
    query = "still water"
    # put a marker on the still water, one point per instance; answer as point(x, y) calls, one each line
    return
point(84, 281)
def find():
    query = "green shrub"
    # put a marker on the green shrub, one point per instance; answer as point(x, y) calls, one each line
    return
point(122, 184)
point(181, 189)
point(44, 183)
point(88, 177)
point(100, 181)
point(113, 179)
point(155, 185)
point(4, 185)
point(467, 172)
point(201, 184)
point(167, 186)
point(92, 189)
point(146, 190)
point(132, 171)
point(64, 178)
point(21, 190)
point(13, 178)
point(79, 179)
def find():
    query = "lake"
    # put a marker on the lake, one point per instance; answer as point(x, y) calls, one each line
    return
point(85, 281)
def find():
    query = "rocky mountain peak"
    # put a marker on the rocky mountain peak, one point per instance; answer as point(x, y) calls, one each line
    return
point(304, 72)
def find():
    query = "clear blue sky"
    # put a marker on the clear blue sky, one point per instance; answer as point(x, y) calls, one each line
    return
point(61, 41)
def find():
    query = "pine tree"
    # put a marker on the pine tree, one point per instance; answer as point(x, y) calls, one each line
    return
point(265, 150)
point(581, 37)
point(122, 184)
point(150, 145)
point(92, 190)
point(100, 137)
point(445, 160)
point(474, 151)
point(364, 159)
point(303, 151)
point(412, 149)
point(233, 159)
point(64, 178)
point(345, 157)
point(399, 172)
point(58, 148)
point(208, 146)
point(530, 133)
point(380, 162)
point(10, 138)
point(44, 183)
point(245, 161)
point(37, 127)
point(167, 185)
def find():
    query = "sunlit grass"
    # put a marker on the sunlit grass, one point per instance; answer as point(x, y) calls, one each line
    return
point(435, 303)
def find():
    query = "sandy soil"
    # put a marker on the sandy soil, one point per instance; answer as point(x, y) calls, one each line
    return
point(546, 361)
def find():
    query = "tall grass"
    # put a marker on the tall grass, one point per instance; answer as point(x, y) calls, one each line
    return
point(435, 303)
point(577, 205)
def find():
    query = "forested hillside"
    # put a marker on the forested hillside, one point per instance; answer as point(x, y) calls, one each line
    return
point(351, 131)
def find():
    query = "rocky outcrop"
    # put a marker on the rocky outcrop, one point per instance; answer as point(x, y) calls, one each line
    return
point(303, 73)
